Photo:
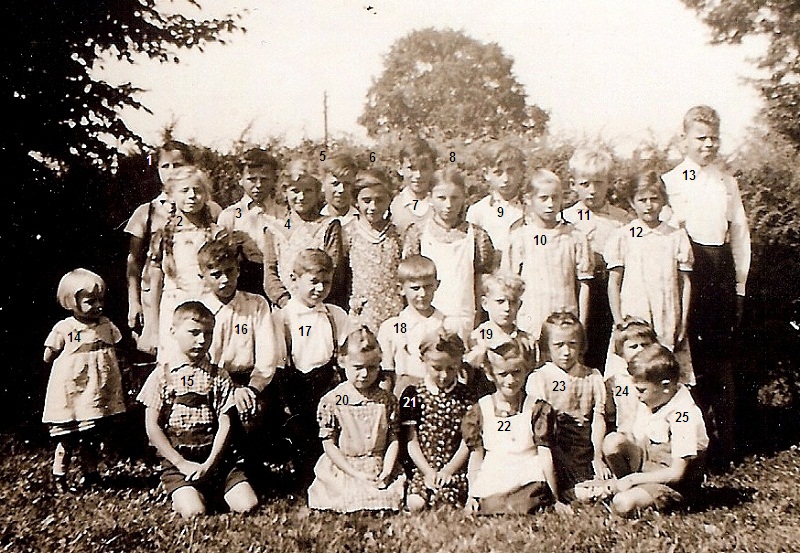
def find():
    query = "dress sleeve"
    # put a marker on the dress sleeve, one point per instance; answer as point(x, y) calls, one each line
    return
point(393, 417)
point(599, 392)
point(332, 242)
point(273, 286)
point(326, 418)
point(542, 423)
point(486, 258)
point(614, 252)
point(116, 335)
point(685, 257)
point(584, 258)
point(386, 341)
point(411, 241)
point(472, 428)
point(56, 340)
point(410, 407)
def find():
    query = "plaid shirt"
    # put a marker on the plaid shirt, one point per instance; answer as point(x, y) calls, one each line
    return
point(191, 399)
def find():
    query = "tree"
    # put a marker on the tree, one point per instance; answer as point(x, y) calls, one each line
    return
point(55, 108)
point(779, 20)
point(447, 80)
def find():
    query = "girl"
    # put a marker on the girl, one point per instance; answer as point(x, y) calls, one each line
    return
point(509, 436)
point(650, 262)
point(374, 248)
point(578, 396)
point(433, 412)
point(358, 427)
point(551, 253)
point(85, 385)
point(302, 229)
point(175, 247)
point(461, 251)
point(173, 160)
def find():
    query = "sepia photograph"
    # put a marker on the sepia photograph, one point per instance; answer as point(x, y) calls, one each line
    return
point(456, 276)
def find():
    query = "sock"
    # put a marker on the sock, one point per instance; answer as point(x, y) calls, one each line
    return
point(60, 460)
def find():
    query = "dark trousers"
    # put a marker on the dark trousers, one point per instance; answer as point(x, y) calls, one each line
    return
point(599, 322)
point(712, 318)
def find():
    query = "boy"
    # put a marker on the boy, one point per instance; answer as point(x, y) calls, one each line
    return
point(660, 463)
point(418, 162)
point(706, 202)
point(247, 342)
point(590, 170)
point(259, 175)
point(400, 336)
point(502, 207)
point(339, 177)
point(314, 332)
point(187, 420)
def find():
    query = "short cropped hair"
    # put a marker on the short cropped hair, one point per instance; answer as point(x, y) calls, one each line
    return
point(565, 320)
point(540, 177)
point(360, 340)
point(218, 251)
point(444, 341)
point(341, 164)
point(313, 261)
point(416, 267)
point(508, 284)
point(77, 281)
point(632, 328)
point(508, 155)
point(450, 175)
point(177, 146)
point(258, 158)
point(371, 178)
point(655, 364)
point(597, 160)
point(418, 148)
point(701, 114)
point(647, 181)
point(194, 310)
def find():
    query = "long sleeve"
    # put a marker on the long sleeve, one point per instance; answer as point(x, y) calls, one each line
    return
point(273, 286)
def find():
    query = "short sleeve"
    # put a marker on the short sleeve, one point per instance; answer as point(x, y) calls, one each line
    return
point(584, 259)
point(137, 224)
point(485, 255)
point(542, 423)
point(226, 217)
point(56, 340)
point(326, 419)
point(685, 257)
point(333, 242)
point(152, 393)
point(534, 386)
point(393, 416)
point(411, 241)
point(224, 393)
point(116, 335)
point(472, 428)
point(684, 432)
point(410, 407)
point(614, 253)
point(599, 393)
point(386, 341)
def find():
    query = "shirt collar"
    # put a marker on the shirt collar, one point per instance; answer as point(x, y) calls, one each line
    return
point(434, 390)
point(300, 308)
point(204, 364)
point(662, 228)
point(675, 401)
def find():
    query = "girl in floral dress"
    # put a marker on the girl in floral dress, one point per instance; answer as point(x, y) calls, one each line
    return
point(432, 413)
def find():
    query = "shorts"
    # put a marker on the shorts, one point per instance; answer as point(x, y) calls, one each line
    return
point(227, 474)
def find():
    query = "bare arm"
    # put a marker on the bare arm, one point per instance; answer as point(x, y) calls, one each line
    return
point(389, 460)
point(50, 354)
point(160, 441)
point(217, 447)
point(457, 461)
point(340, 460)
point(667, 475)
point(583, 301)
point(137, 250)
point(415, 452)
point(598, 433)
point(614, 293)
point(686, 294)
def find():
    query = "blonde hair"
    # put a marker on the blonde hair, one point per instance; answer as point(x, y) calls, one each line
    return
point(507, 284)
point(75, 282)
point(592, 161)
point(540, 177)
point(701, 114)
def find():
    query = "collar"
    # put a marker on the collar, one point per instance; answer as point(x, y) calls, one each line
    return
point(679, 398)
point(434, 390)
point(663, 228)
point(407, 197)
point(299, 308)
point(204, 364)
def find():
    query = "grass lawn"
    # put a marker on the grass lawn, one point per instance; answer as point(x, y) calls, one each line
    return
point(756, 507)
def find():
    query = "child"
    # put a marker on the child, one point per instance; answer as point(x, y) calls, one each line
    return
point(85, 385)
point(551, 253)
point(502, 293)
point(250, 215)
point(418, 161)
point(660, 464)
point(248, 343)
point(303, 228)
point(509, 436)
point(173, 160)
point(358, 426)
point(629, 338)
point(401, 336)
point(175, 246)
point(339, 175)
point(590, 170)
point(314, 332)
point(578, 396)
point(432, 412)
point(188, 401)
point(498, 211)
point(706, 202)
point(461, 251)
point(374, 248)
point(649, 263)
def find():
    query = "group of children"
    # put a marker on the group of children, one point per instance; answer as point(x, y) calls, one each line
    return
point(407, 350)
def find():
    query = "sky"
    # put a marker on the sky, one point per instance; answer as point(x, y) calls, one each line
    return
point(621, 70)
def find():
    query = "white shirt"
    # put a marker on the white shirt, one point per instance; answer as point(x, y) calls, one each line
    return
point(678, 423)
point(496, 216)
point(351, 214)
point(400, 338)
point(710, 208)
point(598, 226)
point(407, 209)
point(310, 332)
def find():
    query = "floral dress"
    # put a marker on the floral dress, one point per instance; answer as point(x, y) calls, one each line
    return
point(437, 418)
point(362, 426)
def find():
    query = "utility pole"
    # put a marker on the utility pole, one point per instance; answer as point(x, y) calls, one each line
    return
point(325, 115)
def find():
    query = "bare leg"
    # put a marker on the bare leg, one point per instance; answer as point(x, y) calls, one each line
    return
point(241, 498)
point(188, 502)
point(621, 454)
